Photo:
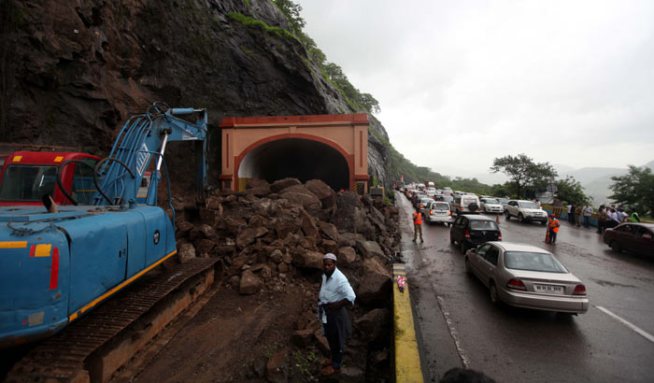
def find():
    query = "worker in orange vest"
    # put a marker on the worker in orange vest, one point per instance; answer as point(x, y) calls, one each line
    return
point(553, 228)
point(417, 224)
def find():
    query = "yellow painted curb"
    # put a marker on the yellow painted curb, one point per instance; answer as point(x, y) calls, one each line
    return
point(407, 358)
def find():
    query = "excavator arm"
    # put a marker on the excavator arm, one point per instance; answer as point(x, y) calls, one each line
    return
point(141, 143)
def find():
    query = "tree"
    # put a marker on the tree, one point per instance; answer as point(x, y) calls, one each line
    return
point(292, 13)
point(570, 190)
point(635, 189)
point(527, 177)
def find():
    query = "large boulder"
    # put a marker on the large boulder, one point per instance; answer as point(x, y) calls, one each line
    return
point(370, 249)
point(308, 259)
point(257, 187)
point(300, 195)
point(284, 183)
point(250, 283)
point(375, 283)
point(325, 194)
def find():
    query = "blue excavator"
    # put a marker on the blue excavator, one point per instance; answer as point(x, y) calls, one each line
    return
point(59, 262)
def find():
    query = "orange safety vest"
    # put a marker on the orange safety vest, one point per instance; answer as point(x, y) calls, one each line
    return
point(554, 225)
point(417, 218)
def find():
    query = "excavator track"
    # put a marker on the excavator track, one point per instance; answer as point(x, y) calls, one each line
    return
point(95, 346)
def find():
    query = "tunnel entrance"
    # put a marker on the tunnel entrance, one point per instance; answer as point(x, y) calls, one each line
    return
point(298, 158)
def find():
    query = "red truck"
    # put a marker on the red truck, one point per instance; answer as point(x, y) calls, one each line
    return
point(26, 176)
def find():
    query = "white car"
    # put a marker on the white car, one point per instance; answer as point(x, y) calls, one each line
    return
point(491, 205)
point(438, 211)
point(526, 276)
point(525, 211)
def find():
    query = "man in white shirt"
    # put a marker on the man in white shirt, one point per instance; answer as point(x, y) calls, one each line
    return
point(335, 294)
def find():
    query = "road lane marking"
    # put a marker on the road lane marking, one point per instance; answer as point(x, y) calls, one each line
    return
point(453, 332)
point(625, 322)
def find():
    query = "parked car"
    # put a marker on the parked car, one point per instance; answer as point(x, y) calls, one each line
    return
point(525, 211)
point(503, 201)
point(526, 276)
point(438, 211)
point(635, 237)
point(470, 230)
point(491, 205)
point(465, 203)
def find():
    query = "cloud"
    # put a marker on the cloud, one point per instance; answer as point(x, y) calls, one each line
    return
point(465, 82)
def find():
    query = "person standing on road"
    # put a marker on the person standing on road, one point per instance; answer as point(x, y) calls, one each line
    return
point(335, 295)
point(553, 228)
point(587, 213)
point(578, 210)
point(571, 213)
point(417, 224)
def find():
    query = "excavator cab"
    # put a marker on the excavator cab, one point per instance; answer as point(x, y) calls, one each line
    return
point(27, 176)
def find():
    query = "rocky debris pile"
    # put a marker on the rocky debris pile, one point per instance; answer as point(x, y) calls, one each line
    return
point(272, 237)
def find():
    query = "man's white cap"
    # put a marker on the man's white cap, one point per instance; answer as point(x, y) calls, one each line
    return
point(329, 256)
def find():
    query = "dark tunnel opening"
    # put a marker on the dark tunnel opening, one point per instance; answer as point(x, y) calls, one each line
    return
point(298, 158)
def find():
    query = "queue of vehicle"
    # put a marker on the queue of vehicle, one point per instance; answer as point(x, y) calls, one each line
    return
point(516, 274)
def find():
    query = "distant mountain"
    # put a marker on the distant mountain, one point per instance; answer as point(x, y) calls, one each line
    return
point(596, 181)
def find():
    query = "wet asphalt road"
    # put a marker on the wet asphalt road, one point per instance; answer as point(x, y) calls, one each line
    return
point(458, 326)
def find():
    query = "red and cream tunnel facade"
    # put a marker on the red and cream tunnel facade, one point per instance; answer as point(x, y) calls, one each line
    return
point(332, 148)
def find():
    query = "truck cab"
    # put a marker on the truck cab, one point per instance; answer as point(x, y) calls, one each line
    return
point(26, 176)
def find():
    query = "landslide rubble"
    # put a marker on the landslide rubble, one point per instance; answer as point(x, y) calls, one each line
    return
point(271, 238)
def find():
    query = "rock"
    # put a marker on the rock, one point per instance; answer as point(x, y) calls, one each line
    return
point(346, 206)
point(277, 256)
point(375, 286)
point(234, 223)
point(373, 325)
point(309, 227)
point(321, 341)
point(248, 235)
point(328, 230)
point(214, 203)
point(209, 216)
point(205, 247)
point(369, 249)
point(349, 239)
point(308, 259)
point(186, 252)
point(325, 194)
point(308, 201)
point(347, 256)
point(329, 246)
point(276, 368)
point(302, 338)
point(183, 228)
point(351, 374)
point(250, 283)
point(282, 184)
point(257, 187)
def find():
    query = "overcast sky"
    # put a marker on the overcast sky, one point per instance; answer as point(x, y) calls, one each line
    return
point(463, 82)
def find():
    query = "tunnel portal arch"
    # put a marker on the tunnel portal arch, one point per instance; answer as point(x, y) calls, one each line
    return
point(332, 147)
point(301, 158)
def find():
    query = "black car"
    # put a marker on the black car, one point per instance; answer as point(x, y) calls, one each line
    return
point(471, 230)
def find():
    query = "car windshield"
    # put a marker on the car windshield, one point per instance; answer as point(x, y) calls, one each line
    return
point(528, 205)
point(532, 261)
point(483, 225)
point(491, 201)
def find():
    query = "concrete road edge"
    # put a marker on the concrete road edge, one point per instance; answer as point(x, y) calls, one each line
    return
point(408, 367)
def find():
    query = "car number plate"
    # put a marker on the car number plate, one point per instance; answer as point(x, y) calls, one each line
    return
point(549, 289)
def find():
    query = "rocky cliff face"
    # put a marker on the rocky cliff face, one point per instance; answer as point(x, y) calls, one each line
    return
point(72, 72)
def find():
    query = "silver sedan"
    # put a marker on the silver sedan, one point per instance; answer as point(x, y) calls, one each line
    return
point(526, 276)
